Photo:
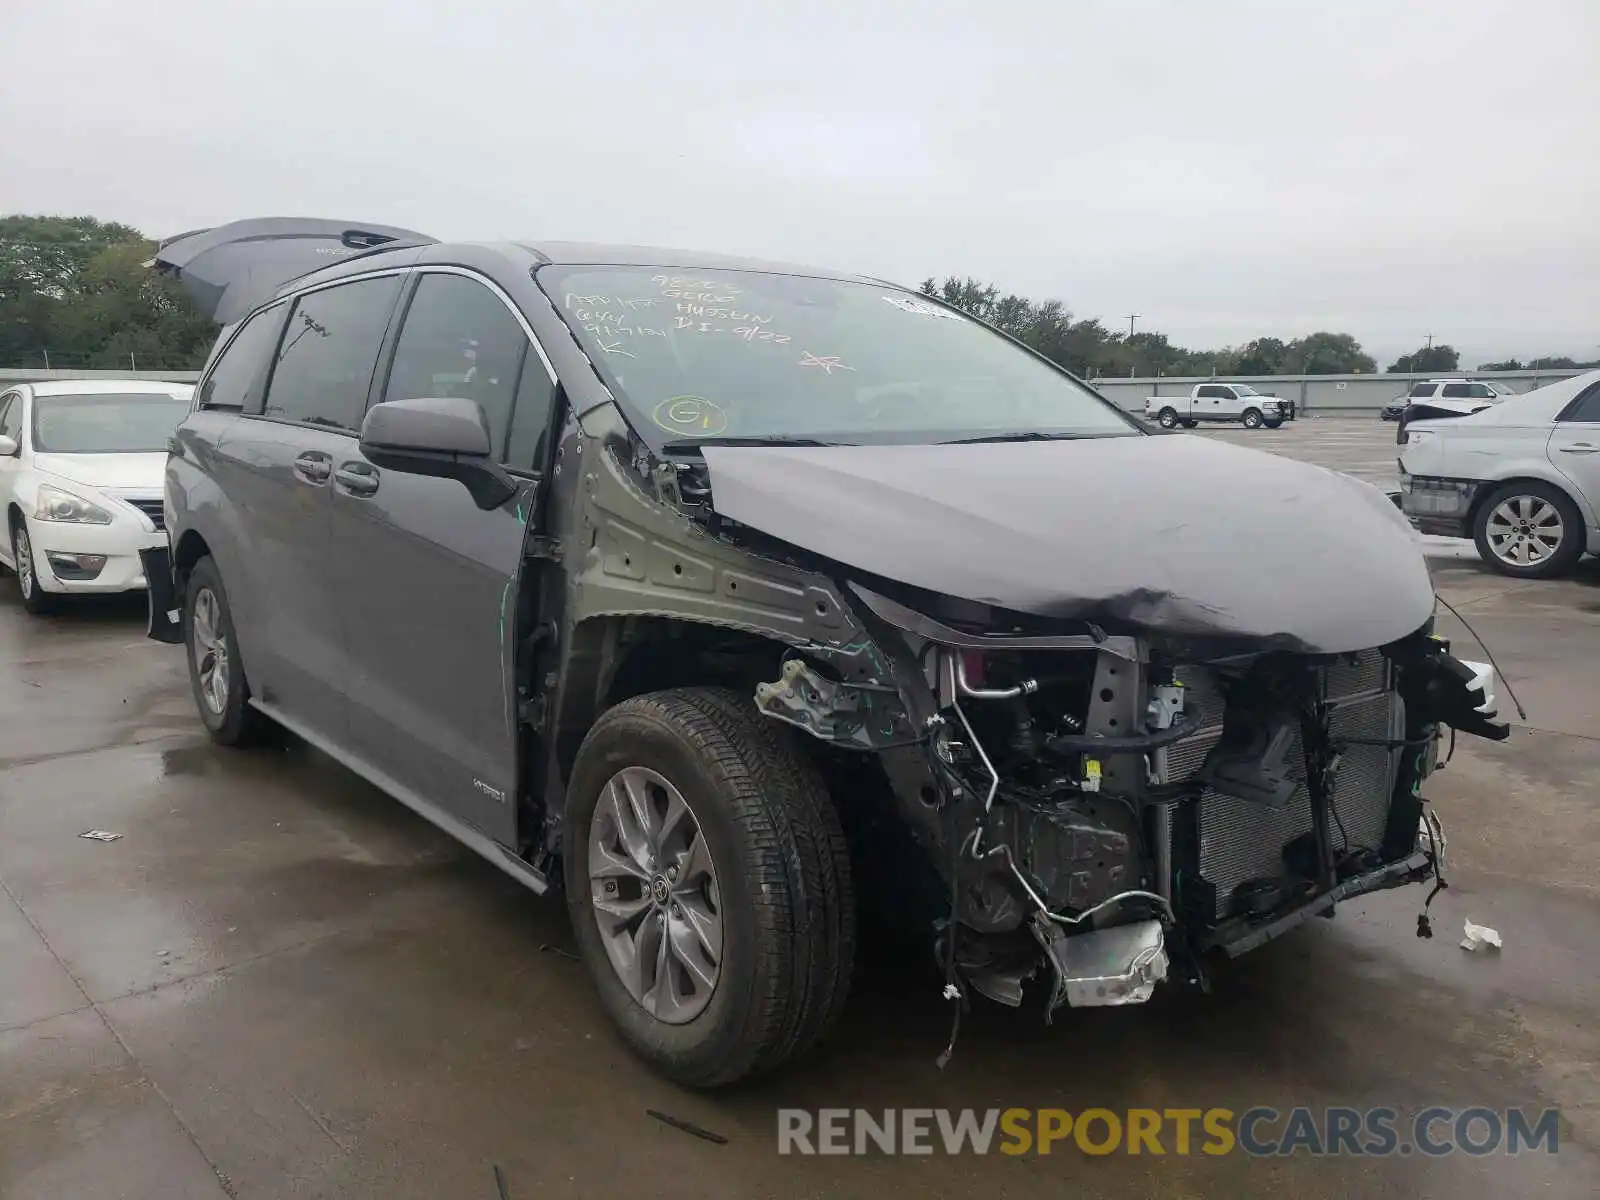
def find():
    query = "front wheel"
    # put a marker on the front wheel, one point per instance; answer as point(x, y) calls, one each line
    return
point(708, 882)
point(1191, 424)
point(1273, 424)
point(1529, 530)
point(1252, 418)
point(35, 600)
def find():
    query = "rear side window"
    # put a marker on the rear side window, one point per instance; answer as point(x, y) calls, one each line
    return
point(328, 352)
point(237, 376)
point(1419, 390)
point(1210, 391)
point(459, 339)
point(1457, 391)
point(1586, 407)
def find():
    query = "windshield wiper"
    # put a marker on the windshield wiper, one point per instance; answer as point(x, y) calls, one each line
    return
point(1021, 435)
point(692, 445)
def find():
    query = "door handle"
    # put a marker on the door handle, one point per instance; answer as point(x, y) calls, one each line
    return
point(1580, 448)
point(313, 467)
point(357, 478)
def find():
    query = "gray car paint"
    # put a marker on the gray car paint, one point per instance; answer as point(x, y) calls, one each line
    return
point(616, 546)
point(1165, 536)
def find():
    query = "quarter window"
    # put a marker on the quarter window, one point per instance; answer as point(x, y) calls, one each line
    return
point(328, 352)
point(459, 339)
point(1586, 407)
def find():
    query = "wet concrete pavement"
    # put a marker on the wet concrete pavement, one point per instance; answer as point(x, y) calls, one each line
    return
point(278, 983)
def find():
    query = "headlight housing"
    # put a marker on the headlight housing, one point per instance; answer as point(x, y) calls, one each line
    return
point(54, 504)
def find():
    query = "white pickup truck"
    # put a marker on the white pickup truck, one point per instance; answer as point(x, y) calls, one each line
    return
point(1219, 402)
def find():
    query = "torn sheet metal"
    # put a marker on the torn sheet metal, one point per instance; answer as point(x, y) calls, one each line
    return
point(1184, 536)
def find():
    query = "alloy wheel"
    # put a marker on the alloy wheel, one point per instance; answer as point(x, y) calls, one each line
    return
point(22, 555)
point(209, 646)
point(654, 892)
point(1525, 531)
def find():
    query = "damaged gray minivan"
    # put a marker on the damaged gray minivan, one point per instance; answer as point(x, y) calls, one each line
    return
point(729, 595)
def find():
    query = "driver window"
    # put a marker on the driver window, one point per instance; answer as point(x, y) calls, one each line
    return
point(460, 339)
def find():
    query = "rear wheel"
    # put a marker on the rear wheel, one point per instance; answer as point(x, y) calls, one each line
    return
point(1167, 418)
point(1529, 530)
point(35, 600)
point(708, 882)
point(1252, 418)
point(215, 673)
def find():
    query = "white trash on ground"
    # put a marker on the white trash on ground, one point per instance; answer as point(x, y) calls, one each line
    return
point(1479, 936)
point(99, 835)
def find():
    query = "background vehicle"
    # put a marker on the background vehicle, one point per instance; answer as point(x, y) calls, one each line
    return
point(1219, 402)
point(1522, 478)
point(671, 601)
point(81, 465)
point(1444, 398)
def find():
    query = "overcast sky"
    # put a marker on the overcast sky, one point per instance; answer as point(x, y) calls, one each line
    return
point(1227, 168)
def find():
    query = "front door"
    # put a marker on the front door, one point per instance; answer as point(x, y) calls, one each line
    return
point(428, 580)
point(275, 465)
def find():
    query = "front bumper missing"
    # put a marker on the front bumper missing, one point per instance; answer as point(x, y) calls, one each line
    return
point(164, 620)
point(1241, 936)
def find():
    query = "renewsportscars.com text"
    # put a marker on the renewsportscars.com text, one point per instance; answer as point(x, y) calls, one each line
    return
point(1259, 1132)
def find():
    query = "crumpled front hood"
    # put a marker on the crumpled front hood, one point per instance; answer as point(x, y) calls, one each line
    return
point(130, 472)
point(1180, 535)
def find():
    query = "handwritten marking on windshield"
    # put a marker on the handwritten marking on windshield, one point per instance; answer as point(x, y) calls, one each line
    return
point(690, 414)
point(827, 362)
point(614, 348)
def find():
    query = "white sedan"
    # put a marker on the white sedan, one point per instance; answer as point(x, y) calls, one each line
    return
point(1522, 479)
point(81, 467)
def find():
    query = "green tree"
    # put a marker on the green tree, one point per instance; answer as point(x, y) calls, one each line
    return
point(1427, 358)
point(1509, 364)
point(75, 288)
point(1326, 354)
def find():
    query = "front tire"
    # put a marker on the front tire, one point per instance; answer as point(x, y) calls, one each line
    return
point(1252, 418)
point(1273, 424)
point(1529, 531)
point(216, 674)
point(35, 600)
point(708, 881)
point(1191, 424)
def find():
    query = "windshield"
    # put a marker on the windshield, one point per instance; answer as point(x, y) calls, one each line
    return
point(752, 355)
point(106, 423)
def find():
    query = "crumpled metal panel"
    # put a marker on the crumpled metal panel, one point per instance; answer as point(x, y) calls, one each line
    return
point(1182, 535)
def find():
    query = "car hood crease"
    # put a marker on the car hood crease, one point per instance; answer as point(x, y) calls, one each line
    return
point(1175, 536)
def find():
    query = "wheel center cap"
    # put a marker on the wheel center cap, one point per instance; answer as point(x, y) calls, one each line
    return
point(659, 891)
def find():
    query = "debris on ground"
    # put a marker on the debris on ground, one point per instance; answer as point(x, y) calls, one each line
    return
point(99, 835)
point(1479, 936)
point(688, 1127)
point(500, 1183)
point(551, 948)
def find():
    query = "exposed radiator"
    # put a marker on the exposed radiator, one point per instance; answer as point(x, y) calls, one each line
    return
point(1241, 840)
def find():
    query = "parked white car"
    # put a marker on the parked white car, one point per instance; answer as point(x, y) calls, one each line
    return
point(81, 467)
point(1521, 478)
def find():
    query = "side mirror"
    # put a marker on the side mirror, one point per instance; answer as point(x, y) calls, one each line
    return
point(446, 437)
point(8, 446)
